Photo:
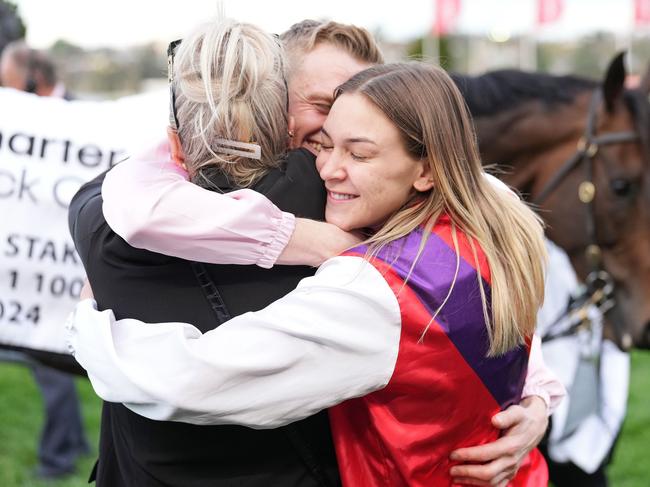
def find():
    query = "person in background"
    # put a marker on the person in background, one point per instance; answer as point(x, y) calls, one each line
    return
point(62, 438)
point(30, 70)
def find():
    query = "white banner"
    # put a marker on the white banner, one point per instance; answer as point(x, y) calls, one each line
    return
point(48, 149)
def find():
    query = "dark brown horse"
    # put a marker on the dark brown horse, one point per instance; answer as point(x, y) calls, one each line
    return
point(580, 150)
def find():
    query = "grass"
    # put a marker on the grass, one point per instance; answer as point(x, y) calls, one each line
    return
point(630, 467)
point(21, 420)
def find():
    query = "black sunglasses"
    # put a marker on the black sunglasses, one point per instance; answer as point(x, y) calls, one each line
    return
point(171, 51)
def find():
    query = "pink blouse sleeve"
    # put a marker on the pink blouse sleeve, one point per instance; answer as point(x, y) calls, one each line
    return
point(149, 202)
point(540, 381)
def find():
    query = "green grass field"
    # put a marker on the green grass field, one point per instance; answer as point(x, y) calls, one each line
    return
point(21, 419)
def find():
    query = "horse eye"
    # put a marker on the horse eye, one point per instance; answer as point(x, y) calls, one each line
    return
point(621, 187)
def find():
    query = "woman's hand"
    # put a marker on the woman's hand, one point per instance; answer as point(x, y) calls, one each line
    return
point(312, 243)
point(497, 463)
point(86, 291)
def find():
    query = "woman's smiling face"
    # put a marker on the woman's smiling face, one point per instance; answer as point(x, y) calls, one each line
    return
point(366, 169)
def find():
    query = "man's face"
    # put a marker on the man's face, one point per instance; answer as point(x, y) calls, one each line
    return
point(311, 88)
point(10, 75)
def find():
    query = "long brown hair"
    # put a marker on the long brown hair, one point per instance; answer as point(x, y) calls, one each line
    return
point(435, 125)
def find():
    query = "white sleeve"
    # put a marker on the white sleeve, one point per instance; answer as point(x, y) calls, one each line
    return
point(333, 338)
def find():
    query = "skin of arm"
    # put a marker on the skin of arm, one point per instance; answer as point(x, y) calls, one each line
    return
point(312, 243)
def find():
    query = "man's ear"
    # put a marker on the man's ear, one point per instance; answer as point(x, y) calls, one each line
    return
point(424, 179)
point(175, 148)
point(291, 128)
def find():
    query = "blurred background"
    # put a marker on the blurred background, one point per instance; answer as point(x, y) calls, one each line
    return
point(107, 50)
point(110, 49)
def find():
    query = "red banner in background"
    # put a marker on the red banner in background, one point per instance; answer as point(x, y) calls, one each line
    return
point(642, 12)
point(446, 14)
point(549, 11)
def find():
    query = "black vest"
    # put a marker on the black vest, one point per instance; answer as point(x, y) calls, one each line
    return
point(135, 451)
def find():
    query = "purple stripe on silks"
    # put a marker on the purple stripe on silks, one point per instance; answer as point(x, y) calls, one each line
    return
point(462, 315)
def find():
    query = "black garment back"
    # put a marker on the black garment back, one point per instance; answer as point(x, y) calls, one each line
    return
point(138, 452)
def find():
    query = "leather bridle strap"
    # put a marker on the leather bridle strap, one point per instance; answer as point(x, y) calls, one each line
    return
point(600, 285)
point(587, 148)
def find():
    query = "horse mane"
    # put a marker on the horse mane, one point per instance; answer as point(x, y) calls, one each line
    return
point(506, 89)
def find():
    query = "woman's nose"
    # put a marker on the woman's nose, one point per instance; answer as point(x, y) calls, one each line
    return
point(332, 166)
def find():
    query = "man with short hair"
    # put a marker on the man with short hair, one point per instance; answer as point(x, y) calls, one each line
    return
point(322, 56)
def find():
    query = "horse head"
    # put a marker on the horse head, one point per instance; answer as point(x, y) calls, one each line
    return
point(580, 150)
point(625, 214)
point(599, 210)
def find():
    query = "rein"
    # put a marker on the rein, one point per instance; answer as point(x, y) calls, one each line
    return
point(599, 289)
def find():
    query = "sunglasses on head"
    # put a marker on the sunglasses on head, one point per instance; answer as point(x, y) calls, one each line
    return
point(171, 51)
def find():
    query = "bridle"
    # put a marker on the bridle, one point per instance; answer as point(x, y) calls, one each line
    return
point(599, 283)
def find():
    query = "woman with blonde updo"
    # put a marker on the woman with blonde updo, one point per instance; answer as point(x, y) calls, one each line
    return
point(230, 103)
point(229, 130)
